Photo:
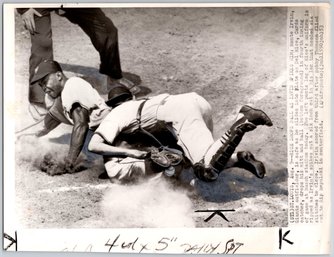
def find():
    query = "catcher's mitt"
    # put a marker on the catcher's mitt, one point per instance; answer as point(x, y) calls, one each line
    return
point(53, 167)
point(166, 157)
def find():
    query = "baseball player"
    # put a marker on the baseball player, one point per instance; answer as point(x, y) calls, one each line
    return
point(76, 103)
point(189, 118)
point(98, 27)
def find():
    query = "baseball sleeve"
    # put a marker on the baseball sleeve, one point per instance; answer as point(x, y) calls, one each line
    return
point(108, 129)
point(79, 91)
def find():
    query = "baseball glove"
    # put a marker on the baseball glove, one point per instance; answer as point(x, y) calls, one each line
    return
point(53, 167)
point(166, 157)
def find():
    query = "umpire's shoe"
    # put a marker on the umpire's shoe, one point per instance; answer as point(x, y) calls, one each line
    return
point(247, 161)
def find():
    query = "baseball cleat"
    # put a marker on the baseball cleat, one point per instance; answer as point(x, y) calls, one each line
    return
point(255, 116)
point(203, 173)
point(247, 161)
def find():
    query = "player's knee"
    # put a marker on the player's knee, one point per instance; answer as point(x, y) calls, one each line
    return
point(45, 44)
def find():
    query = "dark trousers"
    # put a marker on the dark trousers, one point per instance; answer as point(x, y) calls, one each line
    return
point(101, 31)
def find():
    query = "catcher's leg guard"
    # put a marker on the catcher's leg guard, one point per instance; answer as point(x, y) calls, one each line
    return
point(247, 161)
point(221, 151)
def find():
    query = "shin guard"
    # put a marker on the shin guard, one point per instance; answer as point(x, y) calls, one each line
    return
point(229, 142)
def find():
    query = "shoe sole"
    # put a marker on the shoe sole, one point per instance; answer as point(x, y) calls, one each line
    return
point(266, 117)
point(252, 165)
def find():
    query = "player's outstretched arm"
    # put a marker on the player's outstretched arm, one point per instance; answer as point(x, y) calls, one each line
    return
point(49, 124)
point(98, 145)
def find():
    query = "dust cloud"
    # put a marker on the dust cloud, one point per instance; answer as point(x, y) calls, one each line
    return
point(153, 203)
point(32, 149)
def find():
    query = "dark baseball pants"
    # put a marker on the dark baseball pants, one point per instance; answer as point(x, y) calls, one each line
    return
point(101, 31)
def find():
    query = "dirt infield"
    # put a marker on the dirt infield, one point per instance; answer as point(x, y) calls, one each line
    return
point(230, 56)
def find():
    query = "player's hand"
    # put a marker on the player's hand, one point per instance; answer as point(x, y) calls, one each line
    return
point(52, 166)
point(29, 20)
point(138, 154)
point(72, 167)
point(69, 165)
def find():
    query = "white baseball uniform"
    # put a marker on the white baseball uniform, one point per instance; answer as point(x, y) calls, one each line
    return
point(189, 114)
point(77, 90)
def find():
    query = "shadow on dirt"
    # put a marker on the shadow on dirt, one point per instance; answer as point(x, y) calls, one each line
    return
point(234, 186)
point(88, 71)
point(64, 139)
point(98, 80)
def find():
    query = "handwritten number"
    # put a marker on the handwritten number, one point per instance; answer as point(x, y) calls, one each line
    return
point(113, 244)
point(161, 241)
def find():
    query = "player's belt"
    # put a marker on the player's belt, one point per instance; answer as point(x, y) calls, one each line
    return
point(140, 108)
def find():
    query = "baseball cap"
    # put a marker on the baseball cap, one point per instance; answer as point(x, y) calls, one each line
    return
point(45, 68)
point(118, 94)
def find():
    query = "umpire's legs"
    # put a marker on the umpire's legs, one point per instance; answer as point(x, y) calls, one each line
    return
point(103, 34)
point(41, 49)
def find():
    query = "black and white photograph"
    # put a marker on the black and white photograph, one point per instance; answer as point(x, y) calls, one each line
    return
point(145, 117)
